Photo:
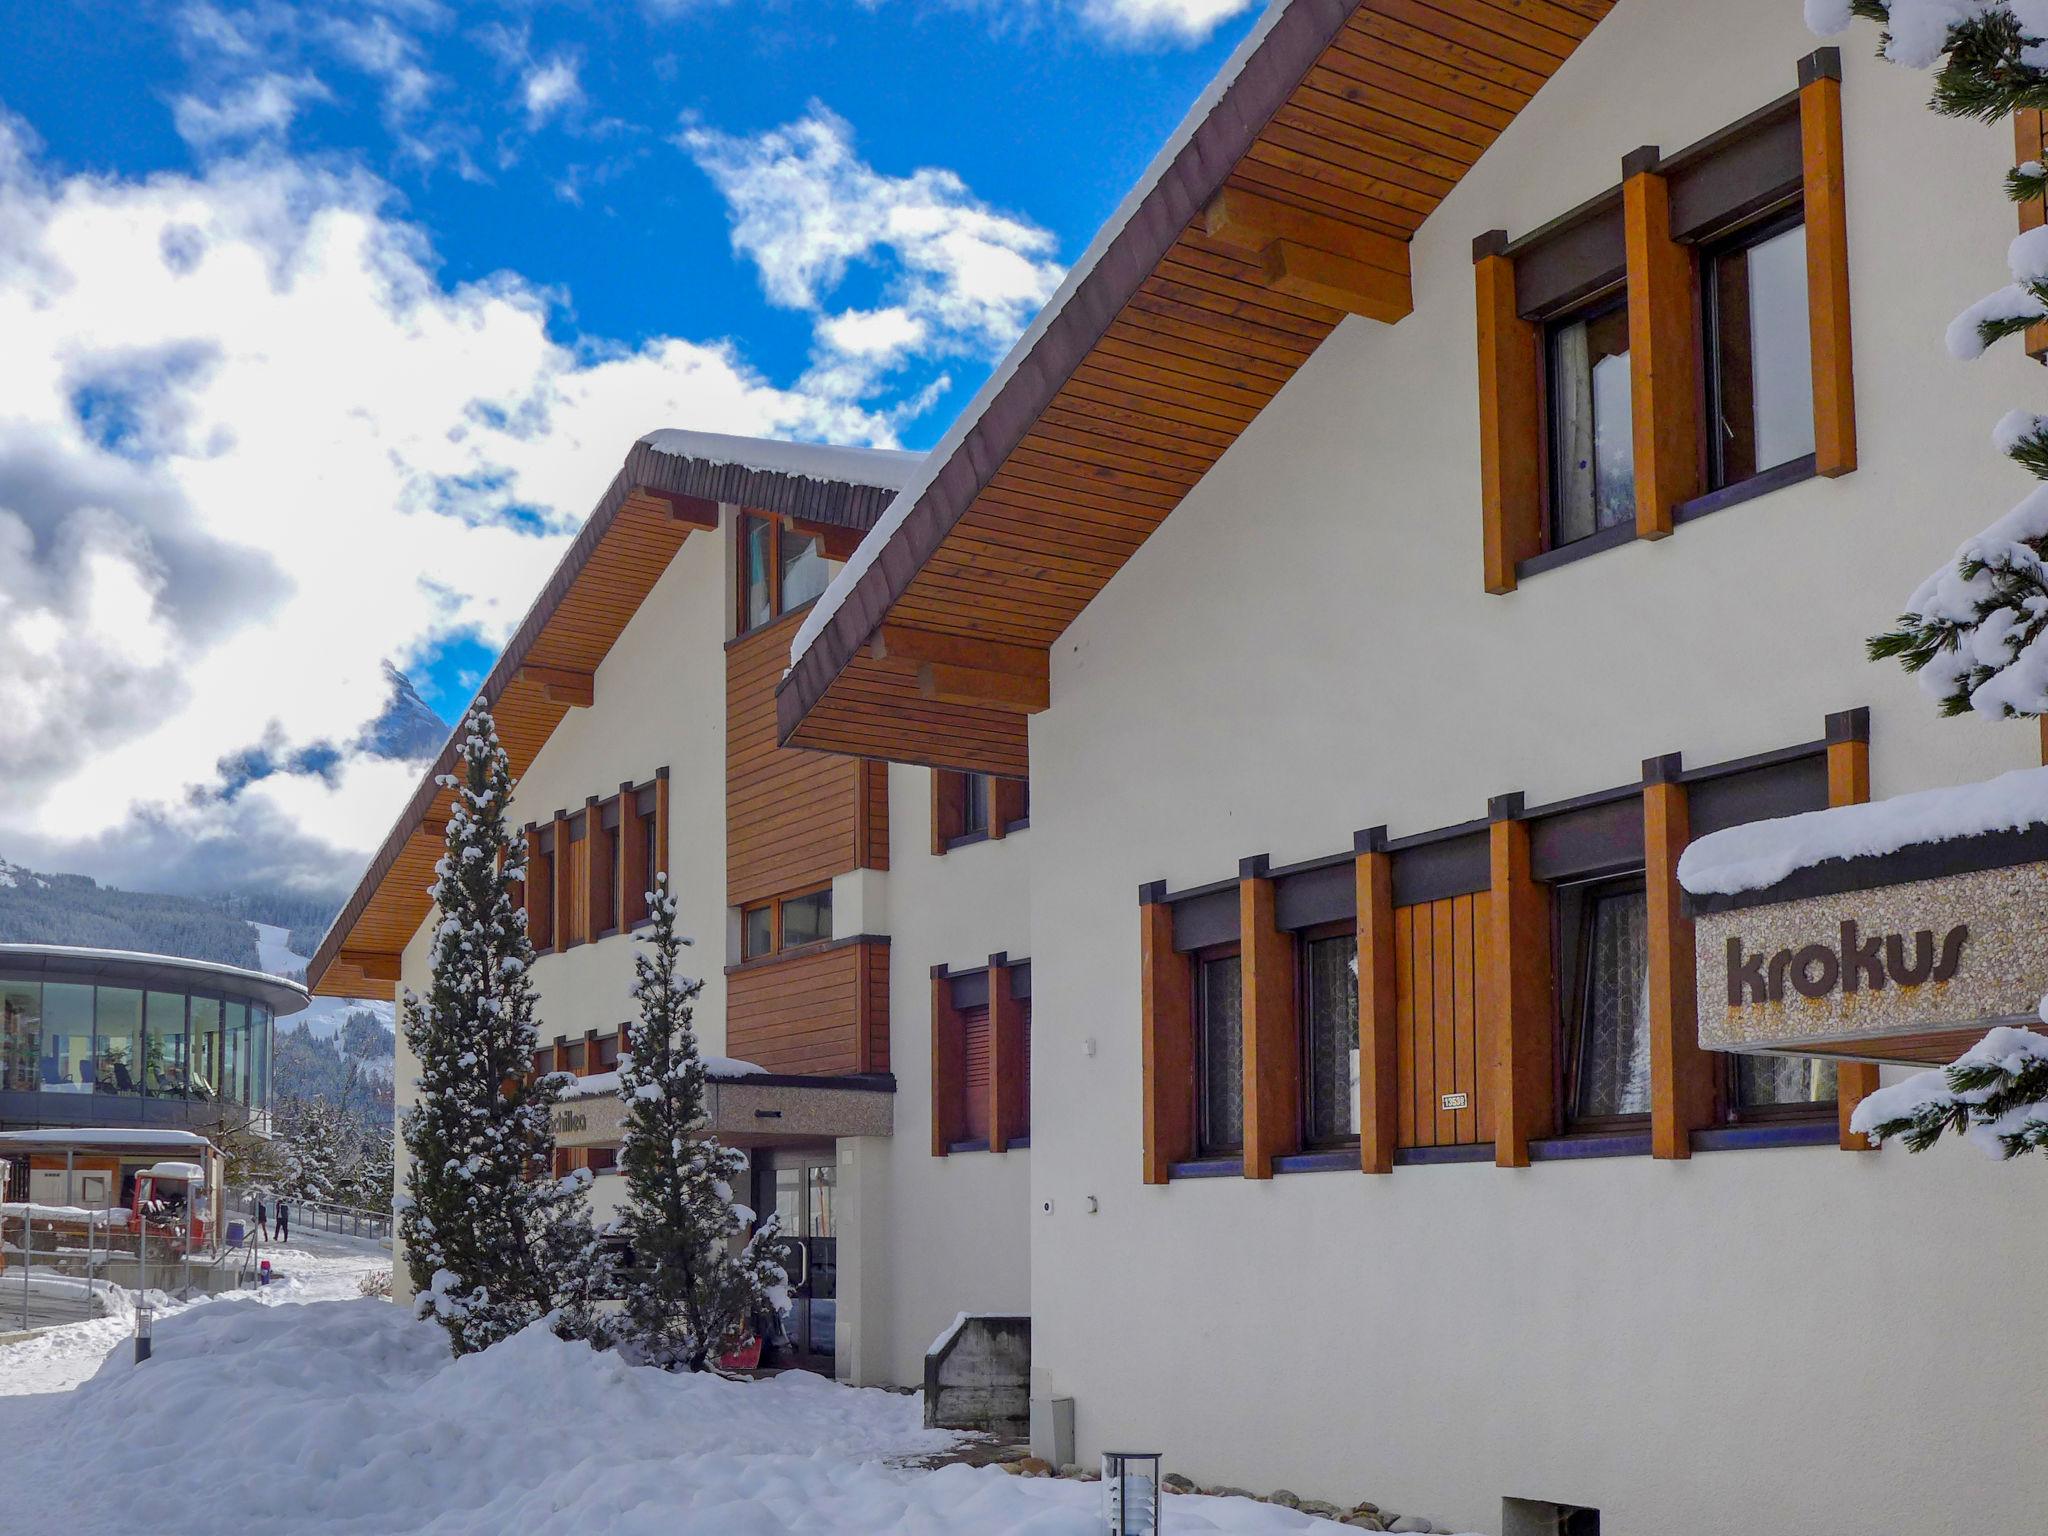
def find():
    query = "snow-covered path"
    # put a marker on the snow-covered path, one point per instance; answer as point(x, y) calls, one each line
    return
point(346, 1418)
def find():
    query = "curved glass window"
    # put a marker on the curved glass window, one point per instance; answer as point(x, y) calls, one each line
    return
point(206, 1049)
point(21, 1039)
point(236, 1034)
point(163, 1045)
point(65, 1065)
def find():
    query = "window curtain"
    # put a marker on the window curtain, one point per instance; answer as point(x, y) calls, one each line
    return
point(1614, 1053)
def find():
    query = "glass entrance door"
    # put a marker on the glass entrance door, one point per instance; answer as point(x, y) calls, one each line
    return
point(802, 1189)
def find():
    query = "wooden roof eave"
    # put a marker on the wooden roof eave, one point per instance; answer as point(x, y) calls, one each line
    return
point(1254, 237)
point(651, 505)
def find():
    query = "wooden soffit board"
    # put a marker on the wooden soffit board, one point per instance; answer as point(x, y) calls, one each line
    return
point(1297, 193)
point(654, 502)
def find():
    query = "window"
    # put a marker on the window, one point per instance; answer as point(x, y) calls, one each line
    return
point(543, 1060)
point(780, 569)
point(967, 807)
point(207, 1055)
point(974, 804)
point(607, 1049)
point(576, 1057)
point(540, 887)
point(164, 1059)
point(601, 1159)
point(1592, 437)
point(1759, 349)
point(1329, 1017)
point(117, 1046)
point(807, 919)
point(785, 922)
point(1781, 1087)
point(757, 931)
point(1219, 1054)
point(21, 1022)
point(1604, 934)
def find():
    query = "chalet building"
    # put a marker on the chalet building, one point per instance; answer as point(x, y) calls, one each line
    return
point(1462, 473)
point(830, 899)
point(1460, 476)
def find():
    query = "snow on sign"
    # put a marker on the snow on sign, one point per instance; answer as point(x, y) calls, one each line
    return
point(1899, 955)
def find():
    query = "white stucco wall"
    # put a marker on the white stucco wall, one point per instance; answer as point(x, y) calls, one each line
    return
point(1743, 1342)
point(955, 1229)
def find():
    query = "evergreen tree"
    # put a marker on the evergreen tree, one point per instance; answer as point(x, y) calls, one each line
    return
point(1976, 631)
point(486, 1226)
point(696, 1286)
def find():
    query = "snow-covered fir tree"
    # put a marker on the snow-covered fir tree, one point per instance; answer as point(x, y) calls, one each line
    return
point(1976, 631)
point(492, 1238)
point(699, 1280)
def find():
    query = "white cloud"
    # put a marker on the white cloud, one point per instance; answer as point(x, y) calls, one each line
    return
point(251, 447)
point(550, 87)
point(260, 107)
point(961, 278)
point(1141, 21)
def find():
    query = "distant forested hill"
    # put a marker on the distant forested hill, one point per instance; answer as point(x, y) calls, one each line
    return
point(75, 909)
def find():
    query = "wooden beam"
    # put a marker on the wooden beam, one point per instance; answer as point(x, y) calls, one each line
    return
point(1524, 1085)
point(900, 642)
point(1250, 221)
point(992, 690)
point(1167, 1044)
point(661, 825)
point(374, 966)
point(837, 541)
point(696, 511)
point(1682, 1075)
point(1272, 1038)
point(949, 1068)
point(561, 685)
point(2030, 142)
point(1009, 1063)
point(1827, 262)
point(1848, 737)
point(1378, 1024)
point(540, 893)
point(565, 884)
point(634, 875)
point(1663, 350)
point(1323, 277)
point(600, 879)
point(1510, 416)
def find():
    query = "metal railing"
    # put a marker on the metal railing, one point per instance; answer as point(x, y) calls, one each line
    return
point(316, 1216)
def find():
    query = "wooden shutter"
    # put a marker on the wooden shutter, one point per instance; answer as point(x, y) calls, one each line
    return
point(1444, 1046)
point(974, 1076)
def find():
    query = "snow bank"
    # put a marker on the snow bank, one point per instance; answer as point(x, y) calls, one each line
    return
point(349, 1417)
point(887, 468)
point(1759, 854)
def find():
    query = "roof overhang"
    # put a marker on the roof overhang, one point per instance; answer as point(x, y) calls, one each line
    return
point(655, 501)
point(1284, 202)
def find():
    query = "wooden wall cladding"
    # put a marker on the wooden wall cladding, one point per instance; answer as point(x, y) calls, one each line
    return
point(1442, 1022)
point(792, 818)
point(822, 1011)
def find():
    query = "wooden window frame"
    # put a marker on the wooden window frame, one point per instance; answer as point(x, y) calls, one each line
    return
point(773, 906)
point(1303, 938)
point(540, 880)
point(1007, 801)
point(1663, 247)
point(1767, 225)
point(835, 544)
point(1197, 961)
point(1571, 907)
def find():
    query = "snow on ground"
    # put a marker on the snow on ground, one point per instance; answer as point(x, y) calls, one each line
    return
point(348, 1418)
point(58, 1359)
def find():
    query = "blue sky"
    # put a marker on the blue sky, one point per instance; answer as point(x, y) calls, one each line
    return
point(327, 325)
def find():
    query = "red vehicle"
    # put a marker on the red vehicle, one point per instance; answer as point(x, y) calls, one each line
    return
point(170, 1203)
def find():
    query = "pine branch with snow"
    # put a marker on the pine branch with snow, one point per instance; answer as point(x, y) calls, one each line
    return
point(1995, 1094)
point(699, 1280)
point(490, 1235)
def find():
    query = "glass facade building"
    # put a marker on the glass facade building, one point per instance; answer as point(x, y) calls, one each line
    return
point(100, 1037)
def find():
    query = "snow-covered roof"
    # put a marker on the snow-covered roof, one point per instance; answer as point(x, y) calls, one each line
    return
point(185, 1171)
point(889, 468)
point(285, 997)
point(717, 1068)
point(1760, 854)
point(103, 1136)
point(870, 548)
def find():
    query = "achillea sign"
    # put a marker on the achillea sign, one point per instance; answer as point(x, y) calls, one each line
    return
point(1887, 972)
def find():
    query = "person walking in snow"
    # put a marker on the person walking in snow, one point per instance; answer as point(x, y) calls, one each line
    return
point(284, 1219)
point(263, 1217)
